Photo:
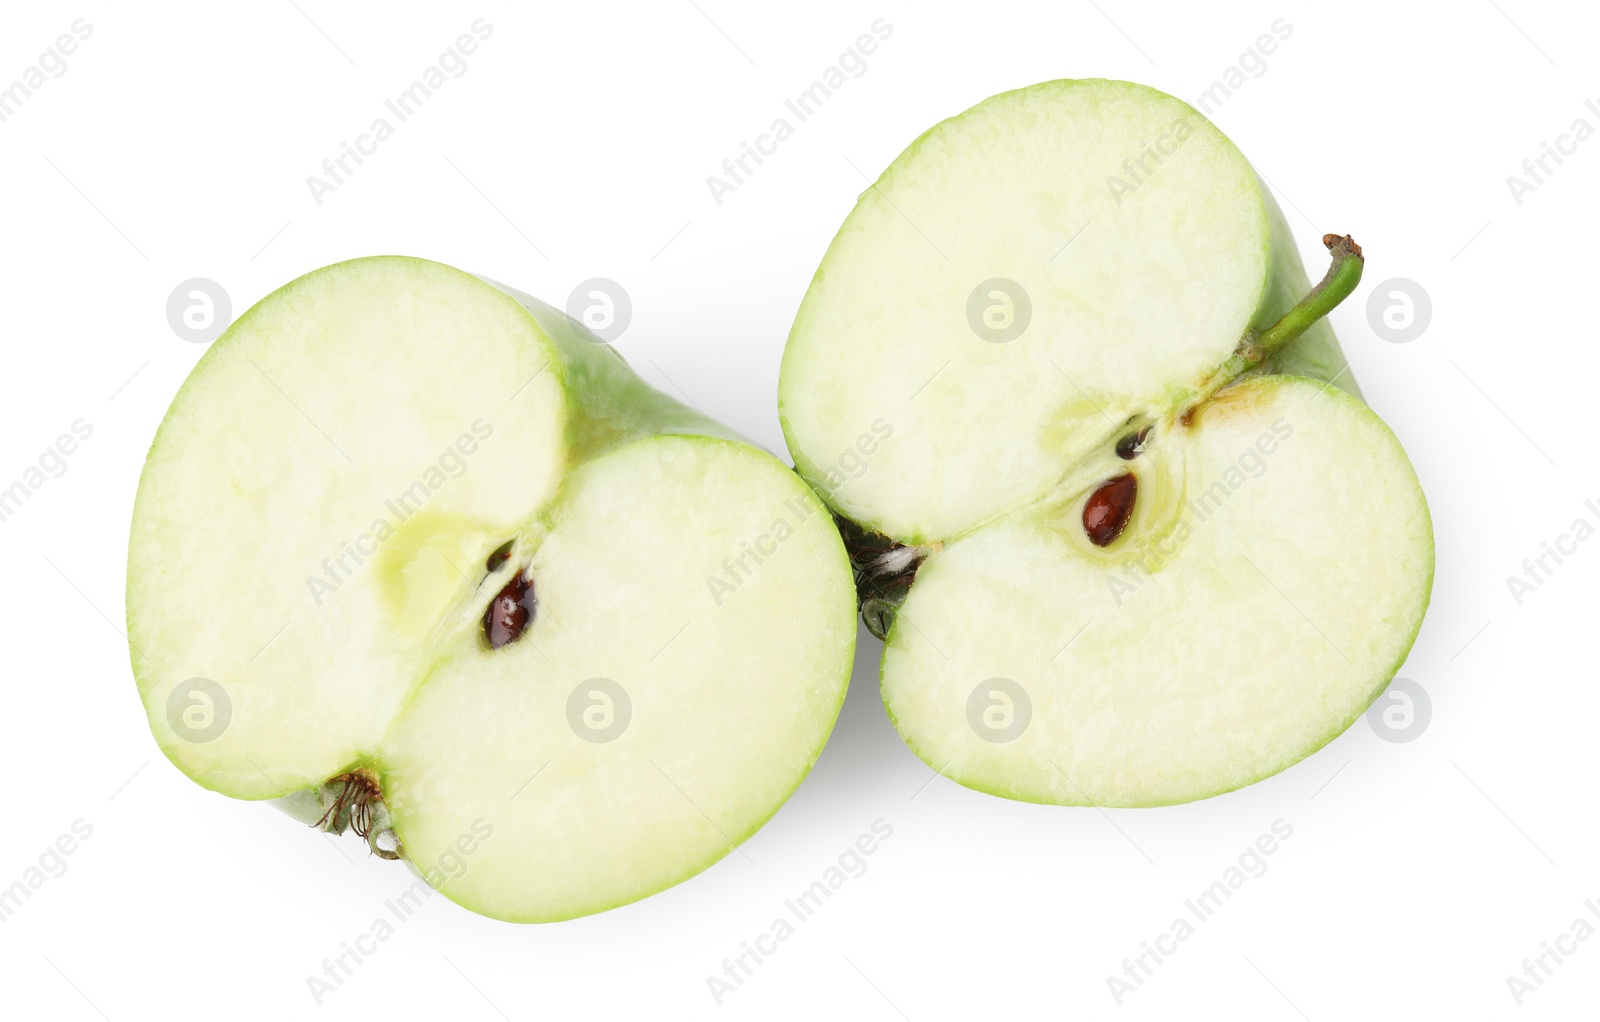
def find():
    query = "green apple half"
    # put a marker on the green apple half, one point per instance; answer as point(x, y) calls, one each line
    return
point(1128, 531)
point(421, 557)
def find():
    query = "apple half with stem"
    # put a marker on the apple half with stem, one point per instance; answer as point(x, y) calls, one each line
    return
point(1127, 529)
point(419, 556)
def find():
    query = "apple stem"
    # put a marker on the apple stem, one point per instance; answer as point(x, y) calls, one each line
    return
point(1336, 285)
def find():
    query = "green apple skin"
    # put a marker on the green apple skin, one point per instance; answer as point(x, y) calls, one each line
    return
point(843, 364)
point(618, 502)
point(1051, 786)
point(606, 405)
point(1270, 270)
point(1315, 353)
point(614, 406)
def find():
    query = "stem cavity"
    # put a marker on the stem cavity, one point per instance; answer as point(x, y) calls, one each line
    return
point(1344, 273)
point(1335, 286)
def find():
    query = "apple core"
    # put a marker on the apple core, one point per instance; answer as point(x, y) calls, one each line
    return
point(600, 724)
point(1146, 510)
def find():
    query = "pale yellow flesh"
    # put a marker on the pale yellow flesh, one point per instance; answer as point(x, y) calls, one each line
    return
point(1149, 251)
point(698, 573)
point(1135, 296)
point(332, 412)
point(733, 690)
point(1193, 656)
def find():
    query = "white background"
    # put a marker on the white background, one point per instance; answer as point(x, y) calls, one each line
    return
point(1419, 875)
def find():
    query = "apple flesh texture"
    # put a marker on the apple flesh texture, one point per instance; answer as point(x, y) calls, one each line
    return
point(1135, 298)
point(1212, 674)
point(1247, 621)
point(619, 502)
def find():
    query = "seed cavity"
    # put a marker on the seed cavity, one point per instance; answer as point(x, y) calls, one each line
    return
point(1130, 446)
point(499, 557)
point(1108, 509)
point(510, 612)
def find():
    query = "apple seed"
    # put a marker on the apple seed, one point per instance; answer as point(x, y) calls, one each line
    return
point(1129, 446)
point(510, 612)
point(1108, 509)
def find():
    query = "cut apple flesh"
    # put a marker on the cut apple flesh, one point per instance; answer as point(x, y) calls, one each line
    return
point(344, 485)
point(1050, 303)
point(1132, 298)
point(1204, 649)
point(725, 707)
